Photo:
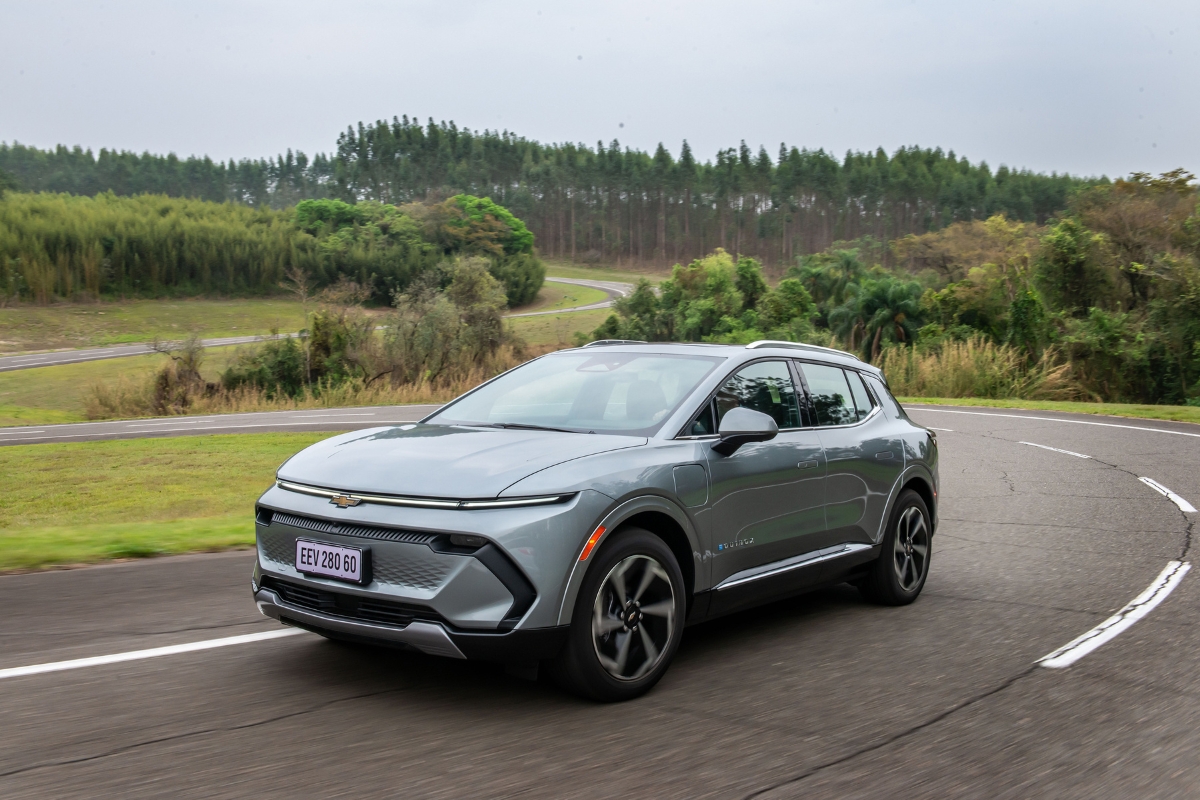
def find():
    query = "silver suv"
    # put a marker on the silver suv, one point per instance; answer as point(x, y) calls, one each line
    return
point(580, 510)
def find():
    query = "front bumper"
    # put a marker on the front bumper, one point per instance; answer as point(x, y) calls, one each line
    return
point(431, 637)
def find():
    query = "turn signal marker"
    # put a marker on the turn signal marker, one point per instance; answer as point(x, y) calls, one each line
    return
point(591, 542)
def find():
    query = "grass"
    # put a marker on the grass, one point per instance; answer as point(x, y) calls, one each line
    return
point(1135, 411)
point(559, 296)
point(74, 325)
point(559, 329)
point(45, 395)
point(93, 501)
point(565, 269)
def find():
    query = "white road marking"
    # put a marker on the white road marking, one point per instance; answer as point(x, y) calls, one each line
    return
point(1184, 505)
point(947, 430)
point(138, 655)
point(368, 414)
point(1108, 630)
point(1053, 419)
point(6, 433)
point(1055, 449)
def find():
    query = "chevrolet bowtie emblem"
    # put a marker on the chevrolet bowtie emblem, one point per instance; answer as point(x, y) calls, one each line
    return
point(344, 500)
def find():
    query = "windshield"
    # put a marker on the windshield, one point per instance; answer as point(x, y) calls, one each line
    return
point(584, 392)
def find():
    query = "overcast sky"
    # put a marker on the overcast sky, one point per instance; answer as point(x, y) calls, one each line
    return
point(1083, 87)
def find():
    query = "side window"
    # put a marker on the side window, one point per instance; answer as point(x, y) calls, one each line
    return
point(890, 405)
point(767, 387)
point(831, 399)
point(862, 398)
point(703, 425)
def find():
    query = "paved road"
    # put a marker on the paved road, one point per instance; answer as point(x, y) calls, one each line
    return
point(820, 696)
point(59, 357)
point(614, 289)
point(56, 358)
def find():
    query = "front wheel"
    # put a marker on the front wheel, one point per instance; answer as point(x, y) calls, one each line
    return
point(898, 575)
point(627, 622)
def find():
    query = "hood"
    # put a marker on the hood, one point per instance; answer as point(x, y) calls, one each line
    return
point(440, 460)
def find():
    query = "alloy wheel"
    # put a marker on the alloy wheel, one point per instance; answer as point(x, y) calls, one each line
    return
point(633, 617)
point(911, 555)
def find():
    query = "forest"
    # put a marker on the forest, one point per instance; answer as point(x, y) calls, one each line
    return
point(72, 247)
point(605, 203)
point(1100, 303)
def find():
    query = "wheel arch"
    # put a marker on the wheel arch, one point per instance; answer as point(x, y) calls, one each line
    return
point(918, 478)
point(659, 516)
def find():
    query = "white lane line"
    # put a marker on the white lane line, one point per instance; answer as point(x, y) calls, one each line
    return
point(303, 416)
point(199, 428)
point(1108, 630)
point(1053, 419)
point(947, 430)
point(1055, 449)
point(6, 433)
point(1184, 505)
point(138, 655)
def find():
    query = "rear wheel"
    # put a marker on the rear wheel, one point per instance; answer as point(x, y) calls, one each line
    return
point(898, 575)
point(628, 620)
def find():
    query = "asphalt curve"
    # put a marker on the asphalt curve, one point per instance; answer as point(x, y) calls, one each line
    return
point(56, 358)
point(818, 696)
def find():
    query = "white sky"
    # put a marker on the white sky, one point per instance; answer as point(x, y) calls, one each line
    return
point(1084, 87)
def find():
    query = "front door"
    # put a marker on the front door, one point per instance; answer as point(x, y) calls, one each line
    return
point(768, 497)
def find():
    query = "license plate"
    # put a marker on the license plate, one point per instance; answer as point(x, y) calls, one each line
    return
point(330, 561)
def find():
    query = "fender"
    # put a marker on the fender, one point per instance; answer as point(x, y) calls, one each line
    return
point(612, 521)
point(922, 473)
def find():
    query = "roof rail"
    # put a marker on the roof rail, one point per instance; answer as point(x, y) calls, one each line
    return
point(800, 346)
point(607, 342)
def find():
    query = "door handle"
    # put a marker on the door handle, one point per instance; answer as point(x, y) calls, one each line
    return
point(884, 454)
point(806, 464)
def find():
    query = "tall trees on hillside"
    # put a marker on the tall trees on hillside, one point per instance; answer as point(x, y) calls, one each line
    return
point(607, 203)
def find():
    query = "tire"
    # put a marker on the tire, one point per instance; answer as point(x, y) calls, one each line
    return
point(627, 622)
point(898, 575)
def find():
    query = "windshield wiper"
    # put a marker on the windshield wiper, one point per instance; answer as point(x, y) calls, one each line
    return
point(521, 426)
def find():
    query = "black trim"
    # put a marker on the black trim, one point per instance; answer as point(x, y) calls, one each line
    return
point(525, 646)
point(513, 579)
point(373, 609)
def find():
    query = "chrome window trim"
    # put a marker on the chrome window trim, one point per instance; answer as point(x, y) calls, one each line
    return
point(422, 502)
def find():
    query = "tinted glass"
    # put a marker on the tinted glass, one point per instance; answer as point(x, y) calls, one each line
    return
point(767, 387)
point(862, 398)
point(703, 425)
point(585, 390)
point(890, 404)
point(831, 398)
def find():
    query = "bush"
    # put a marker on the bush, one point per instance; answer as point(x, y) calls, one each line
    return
point(976, 368)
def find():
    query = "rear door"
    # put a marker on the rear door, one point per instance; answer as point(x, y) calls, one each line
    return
point(864, 453)
point(768, 497)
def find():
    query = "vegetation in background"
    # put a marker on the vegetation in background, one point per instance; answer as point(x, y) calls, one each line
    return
point(445, 335)
point(81, 502)
point(1102, 303)
point(64, 246)
point(603, 204)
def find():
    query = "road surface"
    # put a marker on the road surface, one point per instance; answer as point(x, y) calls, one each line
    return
point(1047, 533)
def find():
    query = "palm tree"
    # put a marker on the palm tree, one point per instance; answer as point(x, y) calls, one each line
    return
point(877, 311)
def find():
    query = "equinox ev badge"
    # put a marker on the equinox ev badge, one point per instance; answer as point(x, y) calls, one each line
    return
point(344, 501)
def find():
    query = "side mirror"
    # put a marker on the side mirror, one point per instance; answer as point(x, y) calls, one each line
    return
point(741, 426)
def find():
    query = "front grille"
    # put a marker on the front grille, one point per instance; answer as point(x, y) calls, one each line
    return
point(349, 529)
point(404, 565)
point(348, 606)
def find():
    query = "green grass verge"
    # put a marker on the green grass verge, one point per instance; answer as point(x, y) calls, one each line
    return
point(67, 325)
point(92, 501)
point(1173, 413)
point(45, 395)
point(559, 296)
point(565, 269)
point(559, 329)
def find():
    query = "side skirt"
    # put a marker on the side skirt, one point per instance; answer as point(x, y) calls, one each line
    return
point(788, 577)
